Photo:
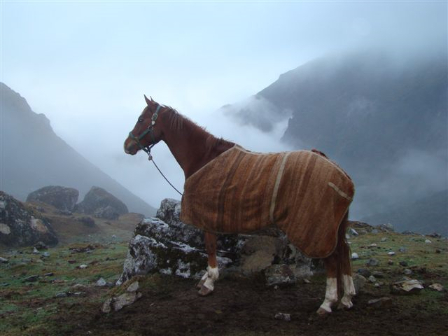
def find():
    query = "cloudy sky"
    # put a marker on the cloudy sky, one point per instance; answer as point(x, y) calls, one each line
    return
point(87, 64)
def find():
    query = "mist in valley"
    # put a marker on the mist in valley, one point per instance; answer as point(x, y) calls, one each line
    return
point(253, 82)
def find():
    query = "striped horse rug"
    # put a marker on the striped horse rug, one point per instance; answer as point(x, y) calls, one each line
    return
point(302, 193)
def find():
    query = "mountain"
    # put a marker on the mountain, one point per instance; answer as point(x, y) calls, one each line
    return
point(432, 209)
point(382, 117)
point(33, 156)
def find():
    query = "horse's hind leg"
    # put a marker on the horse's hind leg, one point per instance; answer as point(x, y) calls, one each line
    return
point(346, 269)
point(339, 273)
point(331, 292)
point(206, 285)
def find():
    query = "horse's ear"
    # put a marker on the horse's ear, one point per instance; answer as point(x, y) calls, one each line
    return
point(147, 100)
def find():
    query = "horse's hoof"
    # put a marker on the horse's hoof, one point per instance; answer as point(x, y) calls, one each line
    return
point(200, 284)
point(342, 306)
point(204, 291)
point(322, 312)
point(345, 305)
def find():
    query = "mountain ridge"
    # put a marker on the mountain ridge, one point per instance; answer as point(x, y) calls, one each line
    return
point(381, 117)
point(34, 156)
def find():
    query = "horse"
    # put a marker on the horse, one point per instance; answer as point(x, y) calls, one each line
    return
point(231, 190)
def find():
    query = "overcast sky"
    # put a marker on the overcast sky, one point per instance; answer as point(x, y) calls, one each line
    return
point(86, 65)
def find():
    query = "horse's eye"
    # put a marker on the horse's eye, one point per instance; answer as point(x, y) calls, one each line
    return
point(140, 120)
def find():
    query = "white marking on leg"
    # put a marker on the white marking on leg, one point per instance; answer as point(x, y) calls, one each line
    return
point(331, 294)
point(212, 275)
point(349, 291)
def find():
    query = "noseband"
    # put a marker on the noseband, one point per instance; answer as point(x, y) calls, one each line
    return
point(149, 130)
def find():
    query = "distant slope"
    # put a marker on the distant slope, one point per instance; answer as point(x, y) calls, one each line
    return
point(383, 118)
point(432, 209)
point(33, 156)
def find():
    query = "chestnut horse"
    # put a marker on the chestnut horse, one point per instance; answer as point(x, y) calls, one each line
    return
point(194, 148)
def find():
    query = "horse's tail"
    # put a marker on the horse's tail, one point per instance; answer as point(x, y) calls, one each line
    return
point(343, 254)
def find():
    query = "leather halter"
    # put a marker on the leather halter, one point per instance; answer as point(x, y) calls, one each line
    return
point(149, 130)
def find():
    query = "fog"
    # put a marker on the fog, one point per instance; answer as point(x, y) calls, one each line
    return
point(87, 65)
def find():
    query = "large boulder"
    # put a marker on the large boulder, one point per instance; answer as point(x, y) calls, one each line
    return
point(166, 245)
point(20, 226)
point(102, 204)
point(61, 198)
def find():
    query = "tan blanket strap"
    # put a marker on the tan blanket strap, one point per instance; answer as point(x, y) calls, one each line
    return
point(276, 186)
point(339, 191)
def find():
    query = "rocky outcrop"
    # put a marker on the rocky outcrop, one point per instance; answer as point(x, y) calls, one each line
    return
point(20, 226)
point(102, 204)
point(166, 245)
point(61, 198)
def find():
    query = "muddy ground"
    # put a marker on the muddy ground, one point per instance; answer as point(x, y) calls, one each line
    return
point(171, 306)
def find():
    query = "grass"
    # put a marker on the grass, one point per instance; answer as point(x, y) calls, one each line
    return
point(32, 308)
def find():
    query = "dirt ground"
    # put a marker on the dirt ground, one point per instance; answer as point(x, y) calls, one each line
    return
point(243, 307)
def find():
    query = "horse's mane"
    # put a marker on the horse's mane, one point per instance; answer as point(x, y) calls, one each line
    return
point(178, 122)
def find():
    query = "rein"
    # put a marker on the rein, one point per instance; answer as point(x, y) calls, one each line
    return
point(147, 149)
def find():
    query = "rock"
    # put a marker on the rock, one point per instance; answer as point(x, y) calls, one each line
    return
point(406, 287)
point(279, 275)
point(3, 260)
point(21, 226)
point(45, 254)
point(407, 271)
point(35, 251)
point(61, 198)
point(437, 287)
point(133, 287)
point(359, 282)
point(64, 213)
point(435, 235)
point(372, 279)
point(87, 221)
point(361, 227)
point(427, 241)
point(102, 204)
point(372, 262)
point(101, 282)
point(41, 246)
point(381, 302)
point(364, 272)
point(355, 256)
point(391, 253)
point(258, 253)
point(384, 239)
point(402, 249)
point(378, 274)
point(32, 278)
point(50, 274)
point(83, 266)
point(61, 295)
point(118, 302)
point(283, 317)
point(353, 232)
point(166, 245)
point(390, 262)
point(403, 263)
point(386, 227)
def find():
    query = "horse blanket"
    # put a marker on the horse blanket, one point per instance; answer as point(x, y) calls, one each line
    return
point(302, 193)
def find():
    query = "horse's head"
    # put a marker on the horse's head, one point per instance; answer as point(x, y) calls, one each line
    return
point(147, 131)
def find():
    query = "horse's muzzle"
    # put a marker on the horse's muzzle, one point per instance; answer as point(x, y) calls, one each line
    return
point(130, 147)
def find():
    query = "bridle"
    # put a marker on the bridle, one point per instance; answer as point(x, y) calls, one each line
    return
point(147, 149)
point(149, 130)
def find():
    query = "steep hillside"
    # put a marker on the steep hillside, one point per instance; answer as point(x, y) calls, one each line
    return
point(383, 118)
point(33, 156)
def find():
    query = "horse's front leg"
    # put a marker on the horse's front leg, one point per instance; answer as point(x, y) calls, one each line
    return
point(206, 285)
